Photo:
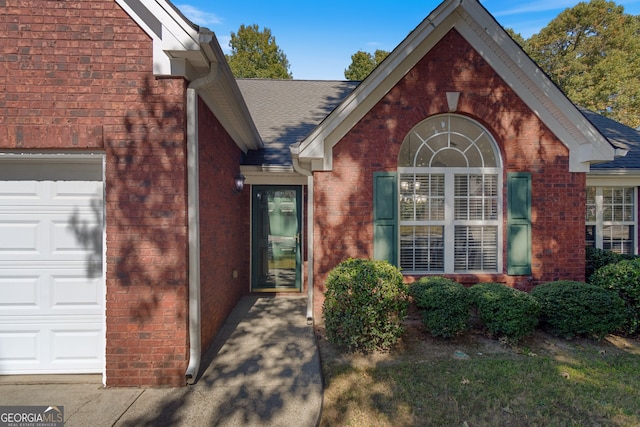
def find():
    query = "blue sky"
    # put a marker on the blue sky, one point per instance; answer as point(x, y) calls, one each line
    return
point(319, 37)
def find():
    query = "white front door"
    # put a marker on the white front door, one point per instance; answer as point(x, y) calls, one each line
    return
point(51, 269)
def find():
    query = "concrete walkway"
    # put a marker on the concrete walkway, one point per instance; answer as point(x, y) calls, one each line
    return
point(263, 370)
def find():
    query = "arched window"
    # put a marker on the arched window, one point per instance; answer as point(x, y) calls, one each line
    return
point(450, 195)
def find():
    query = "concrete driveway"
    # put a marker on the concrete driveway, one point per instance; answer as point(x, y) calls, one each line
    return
point(263, 370)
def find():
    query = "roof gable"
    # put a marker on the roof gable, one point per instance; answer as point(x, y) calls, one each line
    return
point(474, 23)
point(182, 49)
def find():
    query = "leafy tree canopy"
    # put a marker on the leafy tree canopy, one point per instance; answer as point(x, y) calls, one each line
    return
point(255, 54)
point(363, 63)
point(592, 52)
point(515, 36)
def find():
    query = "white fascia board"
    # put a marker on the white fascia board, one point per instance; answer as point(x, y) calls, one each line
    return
point(232, 116)
point(318, 146)
point(585, 143)
point(170, 32)
point(224, 99)
point(182, 50)
point(261, 175)
point(614, 178)
point(481, 31)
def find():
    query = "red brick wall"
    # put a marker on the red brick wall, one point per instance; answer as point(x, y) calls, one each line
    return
point(78, 75)
point(343, 196)
point(224, 226)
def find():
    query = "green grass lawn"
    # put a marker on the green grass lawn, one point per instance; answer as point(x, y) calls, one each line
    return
point(544, 382)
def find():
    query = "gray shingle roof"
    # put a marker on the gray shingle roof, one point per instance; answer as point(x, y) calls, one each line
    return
point(621, 136)
point(286, 111)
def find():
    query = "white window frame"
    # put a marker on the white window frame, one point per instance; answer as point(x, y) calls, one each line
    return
point(449, 221)
point(600, 223)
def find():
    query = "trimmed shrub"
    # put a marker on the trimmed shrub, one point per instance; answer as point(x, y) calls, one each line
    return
point(623, 278)
point(364, 305)
point(598, 258)
point(444, 305)
point(569, 309)
point(506, 312)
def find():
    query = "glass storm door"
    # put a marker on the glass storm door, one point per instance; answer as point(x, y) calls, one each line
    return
point(276, 238)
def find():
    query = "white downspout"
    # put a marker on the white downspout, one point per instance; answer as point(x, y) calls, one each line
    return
point(309, 175)
point(193, 209)
point(310, 249)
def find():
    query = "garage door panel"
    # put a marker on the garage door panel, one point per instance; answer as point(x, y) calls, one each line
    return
point(71, 345)
point(52, 236)
point(52, 193)
point(65, 289)
point(20, 345)
point(48, 347)
point(88, 192)
point(77, 294)
point(19, 237)
point(81, 237)
point(18, 292)
point(51, 268)
point(24, 191)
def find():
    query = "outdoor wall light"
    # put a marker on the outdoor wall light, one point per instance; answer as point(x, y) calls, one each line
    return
point(239, 180)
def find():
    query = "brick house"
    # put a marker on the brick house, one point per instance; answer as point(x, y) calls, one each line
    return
point(457, 156)
point(125, 242)
point(122, 130)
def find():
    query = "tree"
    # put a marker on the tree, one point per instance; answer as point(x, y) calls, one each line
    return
point(517, 37)
point(255, 54)
point(592, 52)
point(363, 63)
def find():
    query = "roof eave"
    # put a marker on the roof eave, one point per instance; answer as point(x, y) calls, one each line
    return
point(614, 177)
point(615, 171)
point(585, 143)
point(225, 100)
point(182, 49)
point(317, 146)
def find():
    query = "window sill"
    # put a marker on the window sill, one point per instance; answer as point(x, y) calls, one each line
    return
point(466, 279)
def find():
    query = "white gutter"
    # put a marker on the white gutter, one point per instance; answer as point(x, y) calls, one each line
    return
point(193, 210)
point(309, 175)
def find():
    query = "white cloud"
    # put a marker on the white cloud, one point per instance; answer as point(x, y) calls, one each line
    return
point(198, 16)
point(533, 7)
point(224, 43)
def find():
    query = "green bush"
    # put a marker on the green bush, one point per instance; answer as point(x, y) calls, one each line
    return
point(598, 258)
point(506, 312)
point(568, 309)
point(364, 305)
point(624, 278)
point(444, 305)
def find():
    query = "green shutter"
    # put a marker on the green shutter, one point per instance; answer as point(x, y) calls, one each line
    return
point(519, 223)
point(385, 217)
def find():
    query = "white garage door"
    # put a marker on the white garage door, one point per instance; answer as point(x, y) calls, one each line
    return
point(51, 280)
